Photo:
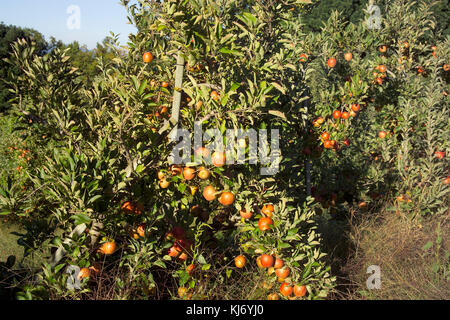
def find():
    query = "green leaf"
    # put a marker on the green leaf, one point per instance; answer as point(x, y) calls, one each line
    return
point(140, 168)
point(160, 264)
point(234, 86)
point(427, 246)
point(223, 127)
point(224, 100)
point(81, 218)
point(307, 271)
point(57, 241)
point(181, 187)
point(135, 82)
point(206, 267)
point(142, 87)
point(435, 267)
point(278, 114)
point(279, 87)
point(201, 259)
point(226, 50)
point(94, 198)
point(147, 96)
point(184, 277)
point(250, 17)
point(59, 267)
point(283, 245)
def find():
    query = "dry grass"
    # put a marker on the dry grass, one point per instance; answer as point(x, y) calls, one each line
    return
point(244, 284)
point(396, 244)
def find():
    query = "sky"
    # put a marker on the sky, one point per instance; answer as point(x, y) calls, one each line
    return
point(85, 21)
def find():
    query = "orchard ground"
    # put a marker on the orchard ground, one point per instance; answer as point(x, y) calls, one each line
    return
point(9, 235)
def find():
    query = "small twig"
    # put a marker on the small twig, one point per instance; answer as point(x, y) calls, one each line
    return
point(34, 191)
point(212, 86)
point(207, 117)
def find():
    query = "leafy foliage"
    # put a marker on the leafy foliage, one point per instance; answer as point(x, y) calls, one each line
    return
point(109, 199)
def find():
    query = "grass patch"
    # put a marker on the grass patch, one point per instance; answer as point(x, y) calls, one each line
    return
point(413, 258)
point(9, 245)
